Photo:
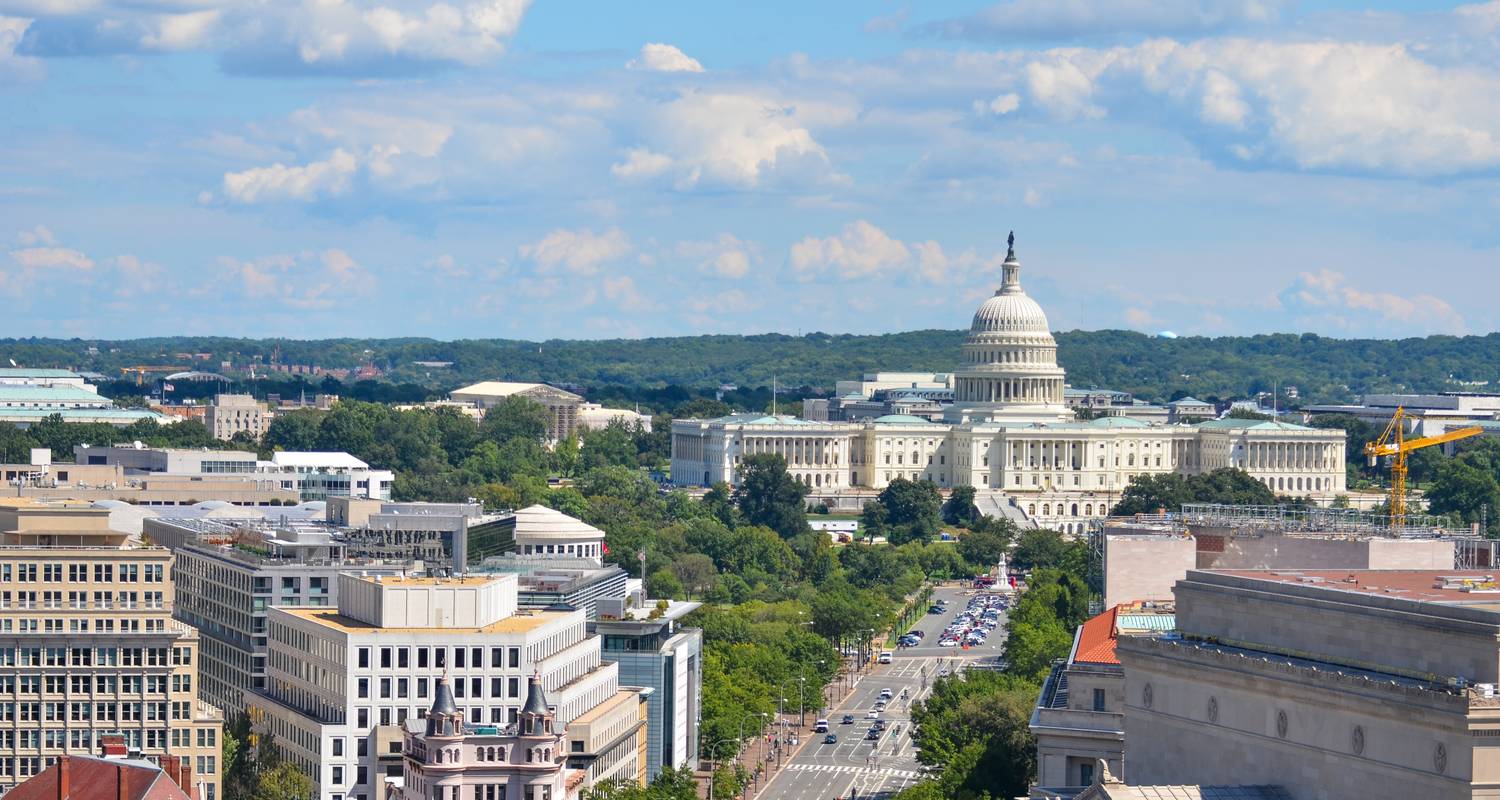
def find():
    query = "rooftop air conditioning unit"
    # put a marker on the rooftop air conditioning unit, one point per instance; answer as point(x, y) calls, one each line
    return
point(1486, 690)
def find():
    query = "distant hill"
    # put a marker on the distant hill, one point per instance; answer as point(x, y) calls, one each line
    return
point(1323, 369)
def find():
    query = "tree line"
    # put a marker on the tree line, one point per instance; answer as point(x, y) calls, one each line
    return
point(1155, 368)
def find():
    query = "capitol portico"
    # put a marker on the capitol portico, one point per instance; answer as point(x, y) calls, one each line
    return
point(1009, 433)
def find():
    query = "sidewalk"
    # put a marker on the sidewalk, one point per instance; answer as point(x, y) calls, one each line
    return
point(759, 758)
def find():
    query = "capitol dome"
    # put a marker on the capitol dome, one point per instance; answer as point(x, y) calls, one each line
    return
point(1009, 371)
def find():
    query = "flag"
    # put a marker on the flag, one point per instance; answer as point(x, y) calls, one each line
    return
point(605, 547)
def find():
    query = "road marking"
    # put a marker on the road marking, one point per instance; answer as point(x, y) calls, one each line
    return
point(847, 769)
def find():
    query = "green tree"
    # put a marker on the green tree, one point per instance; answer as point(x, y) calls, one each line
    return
point(1149, 494)
point(516, 417)
point(282, 782)
point(768, 495)
point(609, 446)
point(960, 509)
point(294, 430)
point(1464, 489)
point(873, 520)
point(912, 510)
point(696, 574)
point(975, 727)
point(983, 545)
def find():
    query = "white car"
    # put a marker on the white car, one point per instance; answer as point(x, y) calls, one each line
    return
point(947, 643)
point(872, 714)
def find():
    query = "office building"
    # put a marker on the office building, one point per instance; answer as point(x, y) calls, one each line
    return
point(1328, 683)
point(343, 682)
point(230, 414)
point(1425, 414)
point(231, 570)
point(458, 535)
point(46, 378)
point(318, 476)
point(1011, 432)
point(88, 647)
point(1079, 718)
point(647, 640)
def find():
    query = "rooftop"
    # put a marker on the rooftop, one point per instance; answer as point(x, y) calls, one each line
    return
point(317, 459)
point(1235, 423)
point(522, 622)
point(1448, 587)
point(32, 372)
point(1098, 637)
point(901, 419)
point(91, 778)
point(23, 393)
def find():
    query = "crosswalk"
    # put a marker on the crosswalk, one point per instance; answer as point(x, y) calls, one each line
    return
point(886, 772)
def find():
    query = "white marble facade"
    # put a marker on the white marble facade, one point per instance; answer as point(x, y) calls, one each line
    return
point(1009, 431)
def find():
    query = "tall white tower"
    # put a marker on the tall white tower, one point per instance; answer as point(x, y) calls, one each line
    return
point(1009, 371)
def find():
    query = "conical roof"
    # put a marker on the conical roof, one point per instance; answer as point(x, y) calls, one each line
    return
point(536, 697)
point(443, 706)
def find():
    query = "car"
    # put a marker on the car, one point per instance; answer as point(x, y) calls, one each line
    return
point(879, 725)
point(948, 643)
point(934, 609)
point(873, 735)
point(872, 714)
point(848, 719)
point(831, 738)
point(821, 726)
point(879, 705)
point(920, 634)
point(886, 657)
point(886, 693)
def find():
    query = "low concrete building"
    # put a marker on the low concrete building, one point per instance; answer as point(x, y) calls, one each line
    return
point(1079, 720)
point(1328, 683)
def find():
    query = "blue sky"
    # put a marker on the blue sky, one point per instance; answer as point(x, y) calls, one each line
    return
point(504, 168)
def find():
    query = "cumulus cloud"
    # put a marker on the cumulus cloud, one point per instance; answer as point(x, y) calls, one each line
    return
point(304, 280)
point(726, 256)
point(41, 258)
point(663, 58)
point(300, 36)
point(1309, 105)
point(581, 252)
point(296, 182)
point(12, 29)
point(1326, 299)
point(731, 140)
point(1000, 105)
point(1016, 20)
point(860, 251)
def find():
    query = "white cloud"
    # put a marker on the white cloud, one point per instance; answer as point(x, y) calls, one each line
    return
point(298, 36)
point(51, 258)
point(1000, 105)
point(641, 163)
point(1060, 19)
point(1326, 299)
point(726, 256)
point(860, 251)
point(580, 252)
point(11, 31)
point(731, 140)
point(297, 182)
point(664, 58)
point(304, 280)
point(41, 234)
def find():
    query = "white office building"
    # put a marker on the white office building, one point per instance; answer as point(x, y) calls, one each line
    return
point(342, 682)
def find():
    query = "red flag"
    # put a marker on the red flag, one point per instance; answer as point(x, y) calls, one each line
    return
point(605, 546)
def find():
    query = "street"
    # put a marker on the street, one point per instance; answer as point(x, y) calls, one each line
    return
point(857, 767)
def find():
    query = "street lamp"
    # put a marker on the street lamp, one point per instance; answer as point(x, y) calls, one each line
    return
point(713, 769)
point(761, 736)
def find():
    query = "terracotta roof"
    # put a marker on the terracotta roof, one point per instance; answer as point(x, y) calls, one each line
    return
point(1097, 637)
point(1096, 640)
point(92, 778)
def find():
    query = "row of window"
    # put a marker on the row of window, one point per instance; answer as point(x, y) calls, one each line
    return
point(94, 684)
point(398, 688)
point(79, 573)
point(95, 656)
point(463, 658)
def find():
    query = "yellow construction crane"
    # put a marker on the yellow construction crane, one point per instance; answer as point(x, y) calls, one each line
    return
point(1393, 443)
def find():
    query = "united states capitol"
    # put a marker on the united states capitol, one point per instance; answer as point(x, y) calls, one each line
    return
point(1009, 433)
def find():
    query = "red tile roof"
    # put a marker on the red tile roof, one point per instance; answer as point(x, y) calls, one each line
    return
point(1097, 639)
point(89, 778)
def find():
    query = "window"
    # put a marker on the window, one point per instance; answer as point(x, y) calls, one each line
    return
point(385, 658)
point(364, 658)
point(1098, 699)
point(515, 657)
point(1085, 774)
